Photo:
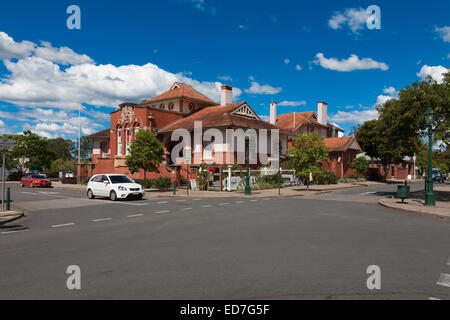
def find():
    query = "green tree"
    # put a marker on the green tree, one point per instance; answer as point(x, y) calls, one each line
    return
point(308, 153)
point(31, 147)
point(146, 153)
point(85, 150)
point(61, 164)
point(379, 142)
point(62, 148)
point(361, 165)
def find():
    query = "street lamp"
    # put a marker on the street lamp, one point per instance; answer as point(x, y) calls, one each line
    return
point(430, 118)
point(248, 190)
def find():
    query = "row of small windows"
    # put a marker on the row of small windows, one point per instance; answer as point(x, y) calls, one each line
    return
point(172, 107)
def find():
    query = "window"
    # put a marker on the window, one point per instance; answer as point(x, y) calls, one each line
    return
point(171, 107)
point(120, 179)
point(162, 107)
point(191, 107)
point(128, 141)
point(119, 141)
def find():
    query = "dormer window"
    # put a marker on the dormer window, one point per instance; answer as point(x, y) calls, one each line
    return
point(171, 107)
point(162, 106)
point(191, 107)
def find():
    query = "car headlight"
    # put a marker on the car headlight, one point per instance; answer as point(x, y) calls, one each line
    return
point(122, 189)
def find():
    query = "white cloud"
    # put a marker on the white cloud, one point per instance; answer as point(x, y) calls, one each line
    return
point(256, 88)
point(10, 49)
point(198, 4)
point(444, 33)
point(242, 27)
point(225, 78)
point(298, 67)
point(389, 94)
point(435, 72)
point(3, 127)
point(351, 64)
point(292, 103)
point(353, 18)
point(63, 55)
point(287, 61)
point(356, 116)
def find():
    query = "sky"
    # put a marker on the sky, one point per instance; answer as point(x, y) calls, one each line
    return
point(296, 53)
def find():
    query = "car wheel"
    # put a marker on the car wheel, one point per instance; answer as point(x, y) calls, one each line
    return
point(113, 196)
point(90, 194)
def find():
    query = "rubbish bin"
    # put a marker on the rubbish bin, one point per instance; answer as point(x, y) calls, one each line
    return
point(403, 192)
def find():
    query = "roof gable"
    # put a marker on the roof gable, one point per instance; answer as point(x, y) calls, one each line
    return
point(181, 90)
point(246, 111)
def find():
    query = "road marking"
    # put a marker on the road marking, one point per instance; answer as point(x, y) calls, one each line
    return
point(14, 231)
point(444, 280)
point(196, 199)
point(102, 220)
point(267, 199)
point(207, 206)
point(185, 209)
point(48, 193)
point(367, 193)
point(63, 225)
point(163, 202)
point(135, 215)
point(448, 262)
point(238, 202)
point(434, 299)
point(253, 200)
point(224, 204)
point(181, 200)
point(165, 211)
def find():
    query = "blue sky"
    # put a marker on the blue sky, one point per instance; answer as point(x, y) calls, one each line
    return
point(296, 52)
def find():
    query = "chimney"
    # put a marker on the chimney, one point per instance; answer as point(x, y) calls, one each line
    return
point(322, 113)
point(273, 113)
point(227, 95)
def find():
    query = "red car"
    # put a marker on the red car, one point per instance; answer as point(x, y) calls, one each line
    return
point(35, 181)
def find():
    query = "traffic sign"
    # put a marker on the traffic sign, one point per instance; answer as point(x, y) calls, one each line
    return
point(6, 144)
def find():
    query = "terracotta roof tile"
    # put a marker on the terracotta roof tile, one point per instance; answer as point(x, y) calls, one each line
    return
point(219, 116)
point(100, 134)
point(181, 90)
point(340, 144)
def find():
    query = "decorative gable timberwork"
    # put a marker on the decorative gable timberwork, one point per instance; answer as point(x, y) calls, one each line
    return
point(246, 111)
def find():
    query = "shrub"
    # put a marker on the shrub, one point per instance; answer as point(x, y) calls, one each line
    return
point(160, 184)
point(14, 176)
point(326, 177)
point(86, 180)
point(376, 176)
point(361, 165)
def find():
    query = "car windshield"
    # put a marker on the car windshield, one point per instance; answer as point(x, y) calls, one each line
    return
point(120, 179)
point(36, 176)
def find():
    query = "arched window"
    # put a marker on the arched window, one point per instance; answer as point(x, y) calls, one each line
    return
point(119, 140)
point(128, 140)
point(162, 106)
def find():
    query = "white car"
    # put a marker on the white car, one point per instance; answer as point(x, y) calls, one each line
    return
point(114, 186)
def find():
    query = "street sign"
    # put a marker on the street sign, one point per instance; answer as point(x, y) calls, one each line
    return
point(6, 144)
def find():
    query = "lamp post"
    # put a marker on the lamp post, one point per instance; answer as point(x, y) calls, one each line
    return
point(430, 197)
point(247, 177)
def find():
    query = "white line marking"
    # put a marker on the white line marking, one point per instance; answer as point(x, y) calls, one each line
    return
point(434, 299)
point(63, 225)
point(237, 202)
point(367, 193)
point(102, 220)
point(207, 206)
point(181, 200)
point(267, 199)
point(135, 215)
point(163, 202)
point(16, 231)
point(165, 211)
point(444, 280)
point(185, 209)
point(196, 199)
point(253, 200)
point(224, 204)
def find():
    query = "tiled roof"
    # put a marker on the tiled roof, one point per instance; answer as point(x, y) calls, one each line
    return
point(342, 144)
point(286, 121)
point(219, 116)
point(181, 90)
point(101, 134)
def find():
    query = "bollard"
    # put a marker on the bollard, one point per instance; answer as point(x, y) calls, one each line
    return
point(8, 199)
point(174, 188)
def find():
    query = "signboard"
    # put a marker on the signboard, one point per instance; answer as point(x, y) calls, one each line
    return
point(6, 144)
point(194, 185)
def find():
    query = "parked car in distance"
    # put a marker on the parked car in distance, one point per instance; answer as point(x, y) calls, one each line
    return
point(35, 181)
point(439, 176)
point(114, 187)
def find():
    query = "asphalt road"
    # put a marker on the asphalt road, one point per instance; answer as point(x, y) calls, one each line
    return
point(288, 248)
